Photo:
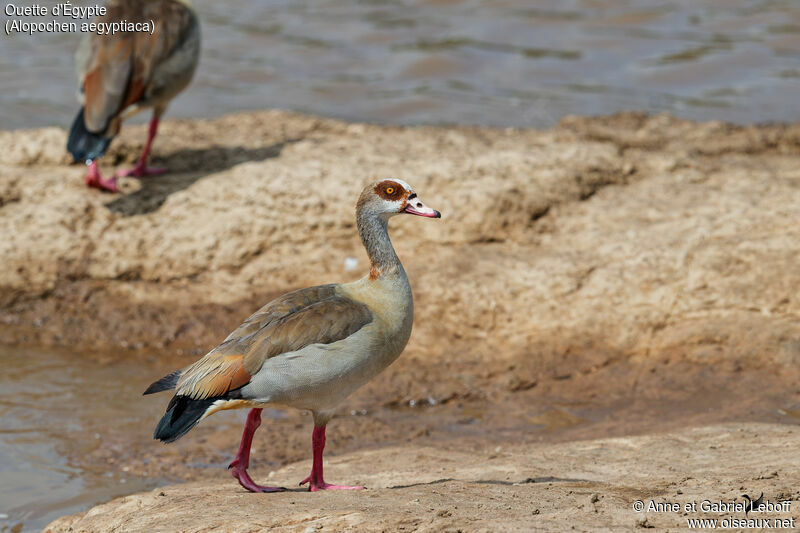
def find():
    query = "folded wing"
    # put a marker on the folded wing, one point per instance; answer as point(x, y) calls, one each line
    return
point(116, 69)
point(317, 315)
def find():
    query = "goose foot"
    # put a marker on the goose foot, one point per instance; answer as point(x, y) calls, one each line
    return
point(321, 485)
point(247, 482)
point(94, 179)
point(315, 480)
point(141, 169)
point(239, 465)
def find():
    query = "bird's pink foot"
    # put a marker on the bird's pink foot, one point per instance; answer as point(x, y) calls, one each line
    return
point(239, 465)
point(247, 482)
point(316, 480)
point(140, 171)
point(94, 179)
point(315, 485)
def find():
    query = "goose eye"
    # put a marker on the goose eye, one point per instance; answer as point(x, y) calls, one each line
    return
point(389, 190)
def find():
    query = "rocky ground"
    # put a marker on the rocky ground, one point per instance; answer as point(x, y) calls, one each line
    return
point(613, 276)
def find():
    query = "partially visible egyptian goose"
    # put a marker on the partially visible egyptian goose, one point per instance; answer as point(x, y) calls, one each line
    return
point(308, 349)
point(122, 73)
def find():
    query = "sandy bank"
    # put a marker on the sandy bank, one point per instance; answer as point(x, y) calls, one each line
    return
point(646, 235)
point(589, 485)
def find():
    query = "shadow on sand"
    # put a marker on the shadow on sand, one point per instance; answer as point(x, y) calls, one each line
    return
point(185, 168)
point(545, 479)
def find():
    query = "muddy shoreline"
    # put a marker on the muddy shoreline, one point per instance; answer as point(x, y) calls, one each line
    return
point(613, 276)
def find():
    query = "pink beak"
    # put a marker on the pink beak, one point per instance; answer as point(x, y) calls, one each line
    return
point(415, 206)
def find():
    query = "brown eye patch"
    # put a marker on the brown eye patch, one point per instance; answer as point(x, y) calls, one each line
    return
point(390, 190)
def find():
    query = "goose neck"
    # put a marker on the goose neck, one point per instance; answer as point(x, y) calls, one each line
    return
point(374, 232)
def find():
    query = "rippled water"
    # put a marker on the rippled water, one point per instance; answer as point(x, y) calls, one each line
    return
point(57, 410)
point(498, 62)
point(51, 405)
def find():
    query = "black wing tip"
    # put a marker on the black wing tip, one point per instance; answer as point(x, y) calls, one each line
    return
point(168, 382)
point(183, 413)
point(83, 144)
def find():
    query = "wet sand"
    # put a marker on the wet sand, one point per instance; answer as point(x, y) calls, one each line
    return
point(612, 277)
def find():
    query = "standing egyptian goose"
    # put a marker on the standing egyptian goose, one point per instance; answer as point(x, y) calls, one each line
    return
point(308, 349)
point(122, 73)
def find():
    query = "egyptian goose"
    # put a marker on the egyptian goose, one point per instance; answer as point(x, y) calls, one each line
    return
point(122, 73)
point(308, 349)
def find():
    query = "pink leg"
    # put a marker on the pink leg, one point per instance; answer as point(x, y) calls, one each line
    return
point(315, 480)
point(239, 465)
point(94, 179)
point(141, 169)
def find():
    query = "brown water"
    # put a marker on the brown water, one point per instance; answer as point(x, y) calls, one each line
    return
point(497, 62)
point(49, 405)
point(69, 425)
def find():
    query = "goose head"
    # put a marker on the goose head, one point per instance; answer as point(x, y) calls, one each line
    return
point(391, 197)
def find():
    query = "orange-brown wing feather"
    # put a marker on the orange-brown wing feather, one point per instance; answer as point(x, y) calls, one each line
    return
point(213, 375)
point(316, 315)
point(106, 80)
